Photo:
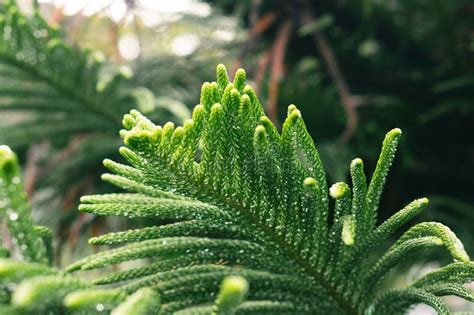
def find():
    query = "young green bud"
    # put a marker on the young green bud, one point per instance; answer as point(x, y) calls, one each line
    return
point(232, 293)
point(128, 121)
point(125, 72)
point(339, 190)
point(239, 79)
point(9, 167)
point(291, 109)
point(222, 77)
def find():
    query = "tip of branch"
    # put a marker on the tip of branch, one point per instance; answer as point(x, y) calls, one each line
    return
point(240, 73)
point(216, 108)
point(234, 93)
point(235, 284)
point(265, 119)
point(126, 72)
point(168, 127)
point(198, 110)
point(220, 67)
point(188, 123)
point(108, 163)
point(98, 57)
point(310, 181)
point(104, 177)
point(260, 129)
point(5, 151)
point(293, 115)
point(137, 138)
point(128, 121)
point(338, 190)
point(8, 162)
point(245, 99)
point(260, 136)
point(239, 79)
point(424, 201)
point(393, 135)
point(357, 162)
point(248, 90)
point(396, 131)
point(291, 109)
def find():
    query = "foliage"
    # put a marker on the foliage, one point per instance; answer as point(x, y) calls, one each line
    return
point(237, 198)
point(227, 199)
point(34, 242)
point(407, 64)
point(62, 94)
point(32, 285)
point(61, 104)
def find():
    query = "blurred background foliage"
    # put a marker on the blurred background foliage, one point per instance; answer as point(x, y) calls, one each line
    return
point(355, 68)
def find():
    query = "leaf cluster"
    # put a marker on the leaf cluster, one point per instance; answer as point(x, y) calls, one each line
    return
point(239, 198)
point(240, 204)
point(60, 94)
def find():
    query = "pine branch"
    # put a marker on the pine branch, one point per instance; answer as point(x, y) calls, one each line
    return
point(60, 91)
point(245, 199)
point(34, 287)
point(33, 242)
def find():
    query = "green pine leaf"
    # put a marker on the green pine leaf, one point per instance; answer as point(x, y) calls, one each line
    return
point(241, 198)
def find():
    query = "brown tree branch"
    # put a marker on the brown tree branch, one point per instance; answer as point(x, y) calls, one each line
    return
point(259, 25)
point(277, 63)
point(327, 54)
point(262, 67)
point(32, 169)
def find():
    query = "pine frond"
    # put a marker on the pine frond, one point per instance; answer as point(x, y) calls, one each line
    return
point(143, 302)
point(458, 272)
point(45, 291)
point(33, 242)
point(62, 94)
point(91, 300)
point(29, 285)
point(239, 198)
point(16, 271)
point(396, 301)
point(57, 77)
